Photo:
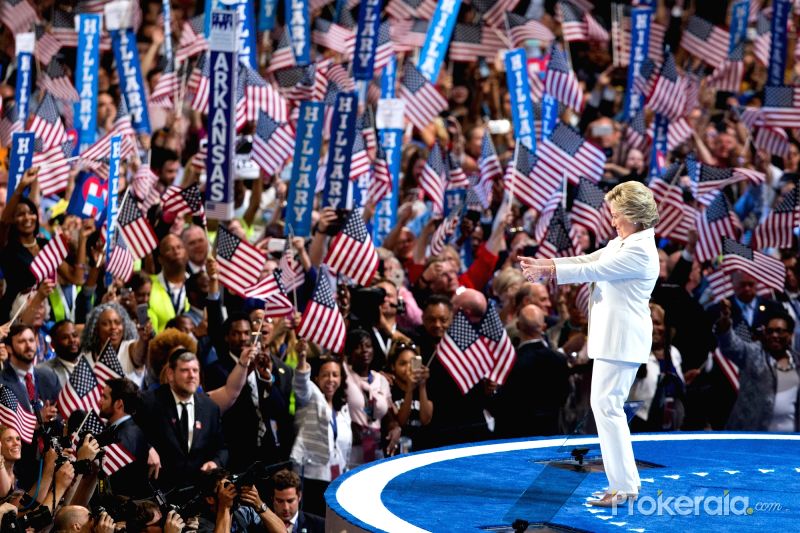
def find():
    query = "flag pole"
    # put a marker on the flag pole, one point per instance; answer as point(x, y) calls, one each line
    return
point(513, 178)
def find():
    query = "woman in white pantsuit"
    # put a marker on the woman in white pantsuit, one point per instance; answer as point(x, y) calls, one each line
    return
point(622, 275)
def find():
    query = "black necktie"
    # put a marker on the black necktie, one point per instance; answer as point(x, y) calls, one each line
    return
point(185, 425)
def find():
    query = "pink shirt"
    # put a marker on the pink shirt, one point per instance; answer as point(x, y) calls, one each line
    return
point(374, 390)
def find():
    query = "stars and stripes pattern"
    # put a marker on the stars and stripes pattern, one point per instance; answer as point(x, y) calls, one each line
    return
point(408, 34)
point(405, 9)
point(46, 45)
point(352, 252)
point(108, 365)
point(728, 74)
point(136, 230)
point(332, 36)
point(521, 29)
point(578, 25)
point(714, 223)
point(122, 126)
point(54, 80)
point(559, 239)
point(303, 83)
point(322, 323)
point(705, 41)
point(774, 141)
point(143, 187)
point(669, 198)
point(706, 180)
point(283, 56)
point(53, 170)
point(81, 391)
point(259, 96)
point(46, 123)
point(456, 177)
point(181, 202)
point(567, 152)
point(668, 96)
point(432, 179)
point(471, 41)
point(494, 336)
point(463, 355)
point(768, 270)
point(423, 101)
point(590, 211)
point(165, 92)
point(781, 107)
point(443, 232)
point(18, 15)
point(777, 229)
point(359, 160)
point(292, 273)
point(273, 144)
point(192, 41)
point(488, 163)
point(14, 415)
point(268, 289)
point(46, 262)
point(521, 181)
point(240, 263)
point(116, 458)
point(381, 183)
point(120, 262)
point(9, 123)
point(560, 81)
point(622, 34)
point(763, 40)
point(493, 10)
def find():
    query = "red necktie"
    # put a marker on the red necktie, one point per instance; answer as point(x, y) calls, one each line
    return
point(30, 387)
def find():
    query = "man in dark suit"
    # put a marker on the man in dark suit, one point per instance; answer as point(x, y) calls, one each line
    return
point(36, 389)
point(530, 401)
point(286, 496)
point(183, 426)
point(118, 403)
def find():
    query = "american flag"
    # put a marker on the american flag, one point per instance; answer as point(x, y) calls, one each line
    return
point(53, 170)
point(9, 123)
point(669, 198)
point(554, 200)
point(166, 90)
point(668, 96)
point(192, 41)
point(488, 163)
point(46, 262)
point(432, 178)
point(533, 187)
point(116, 458)
point(46, 45)
point(54, 80)
point(359, 160)
point(463, 355)
point(240, 263)
point(591, 211)
point(706, 180)
point(678, 132)
point(774, 141)
point(122, 126)
point(561, 83)
point(445, 230)
point(763, 42)
point(14, 415)
point(582, 297)
point(636, 134)
point(728, 368)
point(322, 323)
point(409, 34)
point(423, 101)
point(46, 123)
point(728, 75)
point(18, 15)
point(331, 35)
point(705, 41)
point(381, 183)
point(579, 25)
point(292, 273)
point(181, 202)
point(63, 28)
point(777, 229)
point(479, 193)
point(143, 187)
point(385, 48)
point(199, 84)
point(406, 9)
point(352, 253)
point(365, 125)
point(270, 291)
point(560, 240)
point(456, 177)
point(273, 144)
point(107, 366)
point(521, 29)
point(136, 229)
point(81, 391)
point(493, 10)
point(648, 74)
point(283, 56)
point(781, 107)
point(768, 270)
point(720, 284)
point(120, 262)
point(303, 83)
point(493, 335)
point(714, 223)
point(569, 153)
point(261, 96)
point(622, 32)
point(472, 41)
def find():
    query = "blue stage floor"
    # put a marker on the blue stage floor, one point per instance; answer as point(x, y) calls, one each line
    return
point(707, 482)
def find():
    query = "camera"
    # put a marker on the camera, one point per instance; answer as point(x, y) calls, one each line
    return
point(36, 520)
point(365, 305)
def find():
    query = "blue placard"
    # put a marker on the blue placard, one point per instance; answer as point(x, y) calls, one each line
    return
point(340, 150)
point(88, 198)
point(21, 159)
point(266, 15)
point(210, 5)
point(221, 116)
point(369, 23)
point(23, 90)
point(453, 199)
point(126, 55)
point(659, 150)
point(438, 38)
point(304, 168)
point(246, 32)
point(521, 106)
point(778, 45)
point(298, 23)
point(166, 7)
point(640, 43)
point(359, 195)
point(113, 190)
point(740, 11)
point(389, 78)
point(549, 115)
point(386, 211)
point(86, 77)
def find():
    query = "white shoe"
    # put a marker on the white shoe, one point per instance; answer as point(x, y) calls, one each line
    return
point(614, 499)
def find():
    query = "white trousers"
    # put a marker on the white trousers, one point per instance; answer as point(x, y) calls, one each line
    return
point(611, 383)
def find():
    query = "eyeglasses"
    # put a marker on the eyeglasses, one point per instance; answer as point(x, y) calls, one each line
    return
point(776, 331)
point(400, 346)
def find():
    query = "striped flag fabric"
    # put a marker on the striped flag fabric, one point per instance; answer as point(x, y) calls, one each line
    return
point(648, 75)
point(456, 177)
point(199, 84)
point(46, 262)
point(54, 80)
point(566, 152)
point(9, 123)
point(385, 48)
point(406, 9)
point(322, 323)
point(774, 141)
point(591, 211)
point(714, 223)
point(53, 170)
point(122, 126)
point(408, 34)
point(705, 41)
point(240, 263)
point(463, 355)
point(443, 233)
point(763, 40)
point(492, 11)
point(120, 262)
point(18, 15)
point(365, 125)
point(273, 144)
point(728, 74)
point(143, 187)
point(533, 186)
point(192, 41)
point(283, 56)
point(331, 35)
point(381, 183)
point(579, 25)
point(359, 160)
point(14, 415)
point(292, 272)
point(107, 366)
point(668, 95)
point(678, 131)
point(521, 29)
point(559, 241)
point(352, 252)
point(728, 368)
point(768, 270)
point(303, 83)
point(423, 101)
point(165, 92)
point(471, 41)
point(622, 30)
point(81, 391)
point(706, 180)
point(269, 290)
point(636, 133)
point(261, 96)
point(46, 123)
point(720, 284)
point(493, 335)
point(136, 230)
point(781, 107)
point(432, 179)
point(582, 297)
point(116, 458)
point(181, 202)
point(560, 81)
point(777, 229)
point(488, 163)
point(46, 45)
point(669, 198)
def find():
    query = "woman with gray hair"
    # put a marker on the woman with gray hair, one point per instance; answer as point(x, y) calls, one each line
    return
point(622, 276)
point(110, 322)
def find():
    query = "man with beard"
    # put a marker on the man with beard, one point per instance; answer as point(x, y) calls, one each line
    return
point(67, 345)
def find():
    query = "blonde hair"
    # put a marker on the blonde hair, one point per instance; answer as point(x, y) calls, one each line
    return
point(506, 278)
point(635, 202)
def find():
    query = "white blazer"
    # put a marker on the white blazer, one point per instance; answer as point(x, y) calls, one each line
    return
point(623, 275)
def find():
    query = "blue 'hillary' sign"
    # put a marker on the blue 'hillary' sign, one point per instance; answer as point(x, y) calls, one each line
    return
point(389, 78)
point(266, 15)
point(89, 28)
point(304, 168)
point(369, 22)
point(126, 55)
point(166, 8)
point(778, 46)
point(740, 11)
point(391, 141)
point(246, 32)
point(343, 131)
point(21, 159)
point(298, 24)
point(438, 38)
point(640, 43)
point(23, 89)
point(521, 106)
point(113, 190)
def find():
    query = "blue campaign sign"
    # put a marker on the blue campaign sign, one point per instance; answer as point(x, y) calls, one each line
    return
point(389, 78)
point(21, 159)
point(266, 15)
point(438, 38)
point(89, 197)
point(549, 115)
point(453, 199)
point(23, 89)
point(391, 141)
point(659, 153)
point(166, 9)
point(246, 32)
point(778, 46)
point(343, 131)
point(86, 76)
point(304, 168)
point(298, 22)
point(221, 118)
point(369, 22)
point(740, 11)
point(521, 106)
point(113, 190)
point(640, 44)
point(126, 55)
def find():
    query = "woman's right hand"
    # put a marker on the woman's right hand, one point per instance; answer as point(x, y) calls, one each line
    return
point(28, 178)
point(301, 348)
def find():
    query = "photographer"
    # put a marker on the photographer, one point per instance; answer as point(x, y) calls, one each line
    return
point(234, 510)
point(78, 518)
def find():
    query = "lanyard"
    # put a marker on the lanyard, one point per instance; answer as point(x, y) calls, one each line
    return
point(177, 300)
point(69, 305)
point(335, 426)
point(384, 345)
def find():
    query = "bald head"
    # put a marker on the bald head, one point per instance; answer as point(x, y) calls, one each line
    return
point(70, 518)
point(530, 322)
point(472, 303)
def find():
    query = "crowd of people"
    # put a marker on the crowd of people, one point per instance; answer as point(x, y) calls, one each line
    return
point(231, 421)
